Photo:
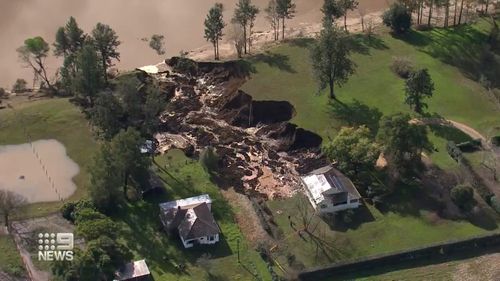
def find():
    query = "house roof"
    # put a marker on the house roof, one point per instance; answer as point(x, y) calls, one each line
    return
point(198, 222)
point(133, 270)
point(328, 181)
point(191, 216)
point(191, 201)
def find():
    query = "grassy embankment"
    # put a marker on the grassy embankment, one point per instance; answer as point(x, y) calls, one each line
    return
point(284, 73)
point(10, 261)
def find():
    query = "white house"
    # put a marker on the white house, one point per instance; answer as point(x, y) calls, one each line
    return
point(192, 219)
point(330, 191)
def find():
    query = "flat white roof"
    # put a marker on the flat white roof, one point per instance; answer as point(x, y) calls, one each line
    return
point(133, 270)
point(316, 184)
point(204, 198)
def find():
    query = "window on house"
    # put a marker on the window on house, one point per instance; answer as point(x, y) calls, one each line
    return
point(354, 201)
point(210, 238)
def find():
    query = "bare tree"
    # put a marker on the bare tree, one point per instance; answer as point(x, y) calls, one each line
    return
point(236, 37)
point(362, 14)
point(10, 201)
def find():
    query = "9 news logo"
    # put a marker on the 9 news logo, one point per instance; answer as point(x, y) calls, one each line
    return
point(55, 246)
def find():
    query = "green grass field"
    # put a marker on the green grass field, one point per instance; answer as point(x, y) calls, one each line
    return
point(141, 225)
point(51, 119)
point(284, 73)
point(10, 261)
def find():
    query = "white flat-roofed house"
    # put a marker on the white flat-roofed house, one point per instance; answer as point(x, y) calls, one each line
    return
point(192, 219)
point(330, 191)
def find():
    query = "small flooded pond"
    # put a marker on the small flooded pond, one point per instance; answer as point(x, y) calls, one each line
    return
point(41, 171)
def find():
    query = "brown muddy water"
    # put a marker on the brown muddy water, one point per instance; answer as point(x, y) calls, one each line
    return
point(21, 170)
point(180, 21)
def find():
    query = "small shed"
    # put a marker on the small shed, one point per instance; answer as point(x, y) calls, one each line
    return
point(134, 271)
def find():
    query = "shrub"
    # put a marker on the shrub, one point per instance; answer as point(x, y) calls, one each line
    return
point(67, 211)
point(398, 18)
point(495, 140)
point(495, 203)
point(463, 196)
point(19, 86)
point(209, 160)
point(454, 151)
point(402, 66)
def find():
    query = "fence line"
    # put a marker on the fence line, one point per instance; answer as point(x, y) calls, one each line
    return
point(439, 250)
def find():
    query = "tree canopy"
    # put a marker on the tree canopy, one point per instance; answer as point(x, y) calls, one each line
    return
point(286, 10)
point(214, 24)
point(418, 86)
point(463, 196)
point(353, 149)
point(403, 141)
point(88, 80)
point(398, 18)
point(10, 201)
point(33, 54)
point(332, 10)
point(106, 43)
point(245, 14)
point(332, 64)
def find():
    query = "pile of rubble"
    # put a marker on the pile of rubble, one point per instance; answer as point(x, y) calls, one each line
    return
point(260, 151)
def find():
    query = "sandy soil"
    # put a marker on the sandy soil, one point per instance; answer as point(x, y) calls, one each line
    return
point(181, 22)
point(41, 172)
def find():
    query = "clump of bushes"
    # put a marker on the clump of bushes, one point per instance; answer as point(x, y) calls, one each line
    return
point(495, 203)
point(454, 151)
point(3, 93)
point(402, 66)
point(209, 160)
point(463, 196)
point(19, 86)
point(70, 210)
point(495, 140)
point(398, 18)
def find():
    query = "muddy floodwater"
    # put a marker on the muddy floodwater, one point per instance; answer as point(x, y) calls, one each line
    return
point(181, 22)
point(41, 172)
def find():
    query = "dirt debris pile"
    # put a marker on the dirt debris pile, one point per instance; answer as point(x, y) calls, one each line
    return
point(260, 152)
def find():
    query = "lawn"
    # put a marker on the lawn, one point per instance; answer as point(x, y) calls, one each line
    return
point(183, 178)
point(284, 73)
point(10, 261)
point(51, 119)
point(372, 231)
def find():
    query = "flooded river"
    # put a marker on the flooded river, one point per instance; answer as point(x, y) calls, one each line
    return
point(181, 22)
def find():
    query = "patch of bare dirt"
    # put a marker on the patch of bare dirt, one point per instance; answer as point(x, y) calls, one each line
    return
point(485, 268)
point(246, 217)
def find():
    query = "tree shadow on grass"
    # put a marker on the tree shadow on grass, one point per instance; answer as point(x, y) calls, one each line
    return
point(275, 60)
point(408, 200)
point(356, 113)
point(483, 220)
point(415, 38)
point(361, 215)
point(450, 133)
point(301, 42)
point(361, 43)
